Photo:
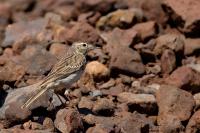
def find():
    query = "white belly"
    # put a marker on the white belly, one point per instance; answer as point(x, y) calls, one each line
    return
point(70, 79)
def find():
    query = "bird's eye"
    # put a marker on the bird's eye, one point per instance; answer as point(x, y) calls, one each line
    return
point(84, 44)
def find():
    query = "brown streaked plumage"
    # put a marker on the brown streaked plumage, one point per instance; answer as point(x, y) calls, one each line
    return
point(67, 71)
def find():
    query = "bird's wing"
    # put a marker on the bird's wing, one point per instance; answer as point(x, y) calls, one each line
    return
point(62, 69)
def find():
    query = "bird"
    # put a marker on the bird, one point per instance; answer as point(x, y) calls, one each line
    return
point(64, 73)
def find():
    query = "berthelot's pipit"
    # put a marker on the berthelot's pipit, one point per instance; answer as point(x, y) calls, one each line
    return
point(64, 73)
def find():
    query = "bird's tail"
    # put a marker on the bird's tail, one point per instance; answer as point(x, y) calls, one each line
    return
point(34, 97)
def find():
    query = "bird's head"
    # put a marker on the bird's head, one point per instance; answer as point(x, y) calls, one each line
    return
point(82, 47)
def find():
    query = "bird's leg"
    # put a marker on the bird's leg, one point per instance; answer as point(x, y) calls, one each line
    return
point(64, 104)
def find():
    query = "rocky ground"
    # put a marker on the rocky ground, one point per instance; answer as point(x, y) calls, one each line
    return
point(145, 78)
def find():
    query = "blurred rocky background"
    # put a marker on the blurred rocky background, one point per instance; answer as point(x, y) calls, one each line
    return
point(145, 78)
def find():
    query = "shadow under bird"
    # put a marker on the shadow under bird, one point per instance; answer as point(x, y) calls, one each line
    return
point(64, 73)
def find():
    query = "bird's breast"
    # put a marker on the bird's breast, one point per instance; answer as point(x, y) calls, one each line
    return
point(70, 79)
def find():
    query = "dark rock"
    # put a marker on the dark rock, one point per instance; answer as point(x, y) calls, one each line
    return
point(68, 120)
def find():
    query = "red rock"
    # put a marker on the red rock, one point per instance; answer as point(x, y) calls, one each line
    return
point(58, 49)
point(107, 84)
point(124, 121)
point(115, 90)
point(20, 5)
point(97, 70)
point(92, 119)
point(136, 98)
point(193, 125)
point(100, 128)
point(171, 124)
point(184, 77)
point(184, 13)
point(10, 69)
point(89, 17)
point(11, 108)
point(120, 18)
point(32, 125)
point(153, 68)
point(175, 105)
point(5, 13)
point(86, 103)
point(152, 10)
point(191, 46)
point(103, 105)
point(130, 61)
point(95, 5)
point(171, 41)
point(68, 120)
point(138, 120)
point(168, 61)
point(38, 62)
point(86, 34)
point(48, 124)
point(67, 12)
point(29, 32)
point(21, 131)
point(146, 29)
point(143, 103)
point(119, 37)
